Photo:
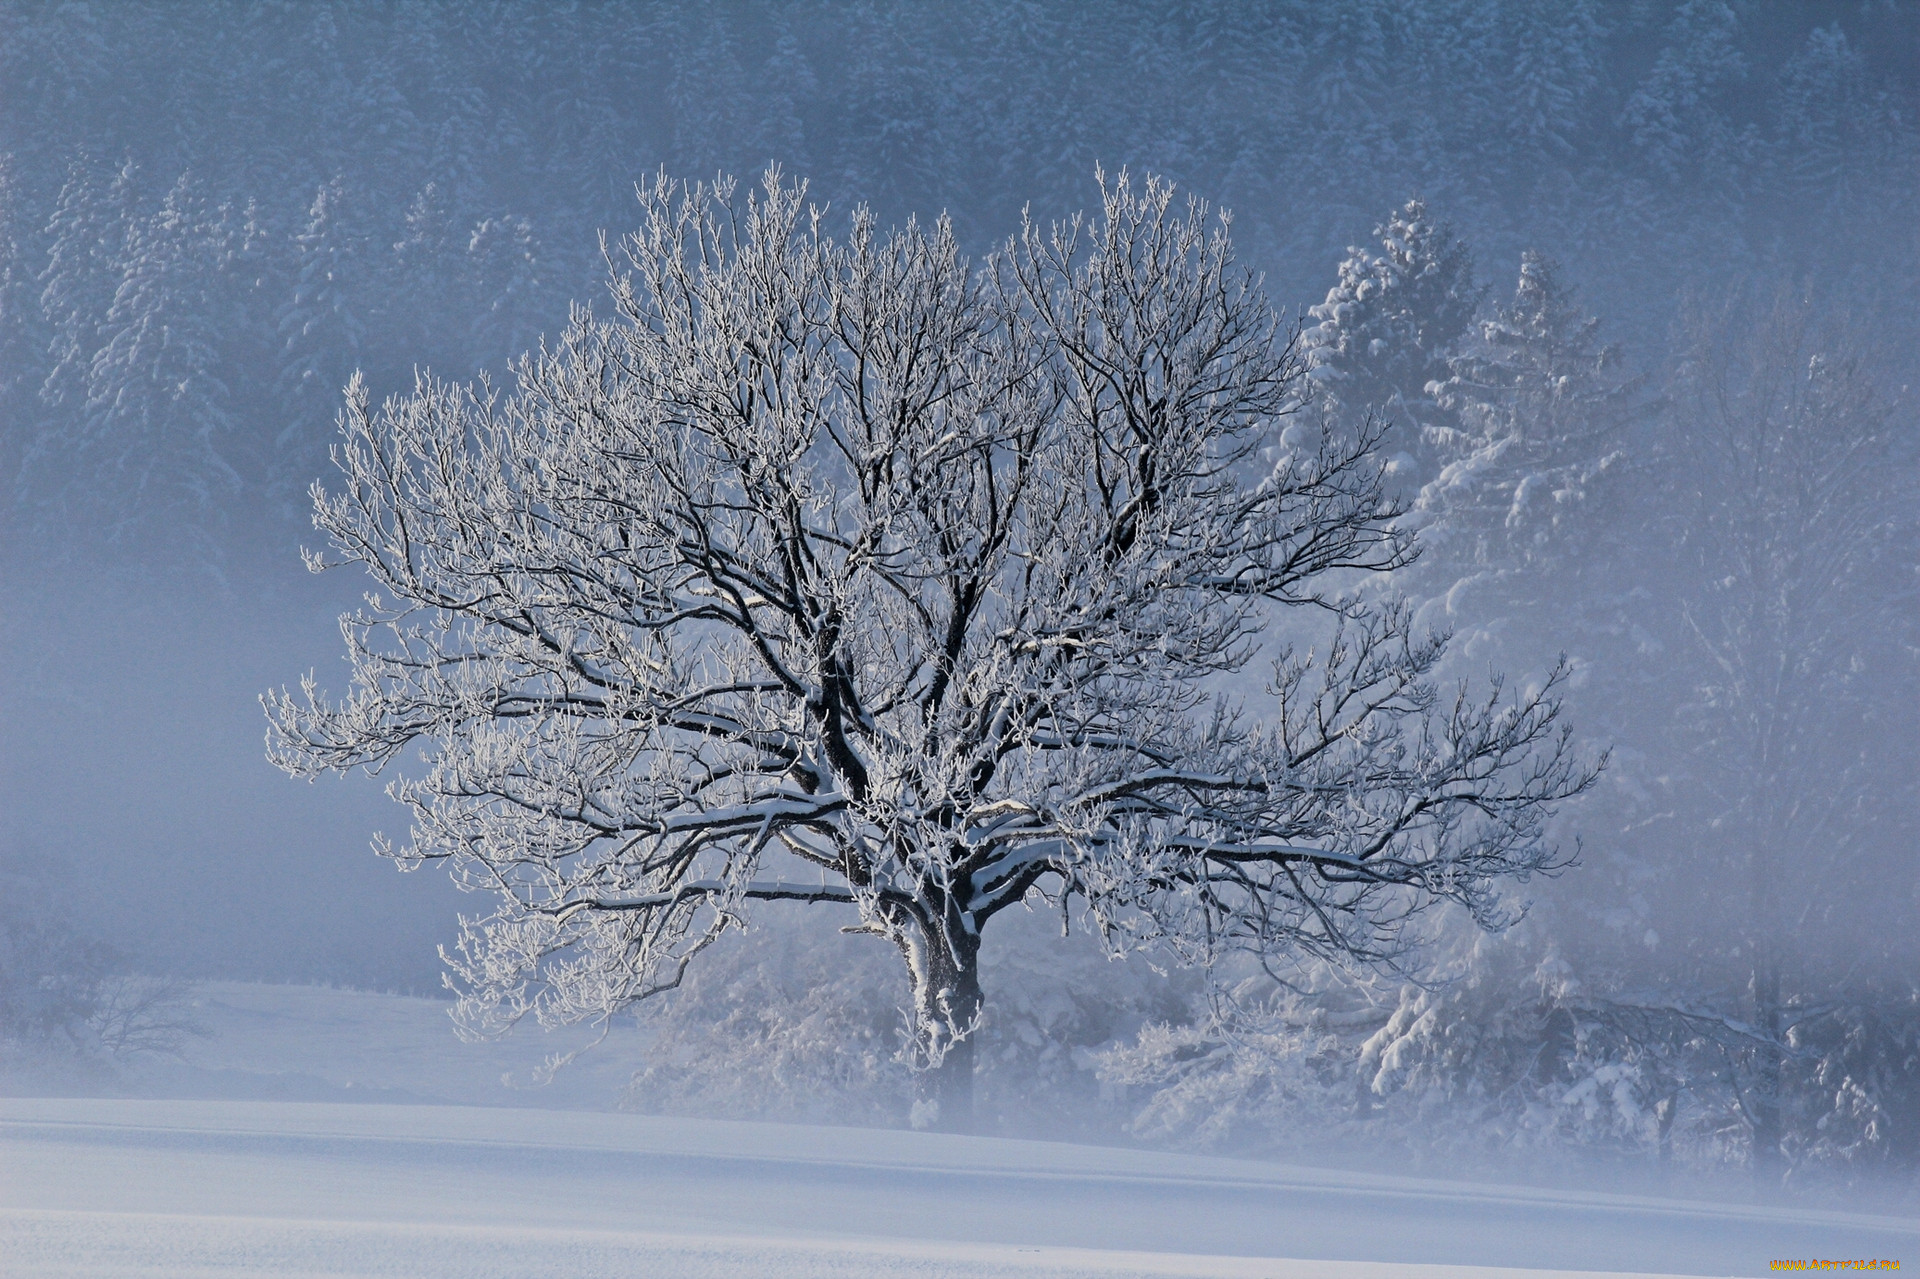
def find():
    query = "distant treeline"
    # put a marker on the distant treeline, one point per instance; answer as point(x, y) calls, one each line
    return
point(213, 212)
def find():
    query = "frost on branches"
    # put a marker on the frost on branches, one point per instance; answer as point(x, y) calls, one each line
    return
point(848, 572)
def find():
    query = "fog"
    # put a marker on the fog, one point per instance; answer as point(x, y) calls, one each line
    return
point(211, 216)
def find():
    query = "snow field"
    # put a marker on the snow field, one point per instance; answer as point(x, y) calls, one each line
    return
point(198, 1188)
point(44, 1245)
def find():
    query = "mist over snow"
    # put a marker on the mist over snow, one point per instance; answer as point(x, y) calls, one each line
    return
point(1564, 352)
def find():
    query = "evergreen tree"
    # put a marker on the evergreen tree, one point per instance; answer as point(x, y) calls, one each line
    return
point(898, 148)
point(321, 326)
point(1539, 405)
point(156, 408)
point(1555, 51)
point(1844, 146)
point(504, 262)
point(21, 349)
point(1385, 331)
point(315, 106)
point(87, 241)
point(429, 272)
point(1682, 117)
point(247, 289)
point(790, 87)
point(709, 93)
point(23, 336)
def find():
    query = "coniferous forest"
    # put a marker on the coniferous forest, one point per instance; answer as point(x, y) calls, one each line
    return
point(1627, 294)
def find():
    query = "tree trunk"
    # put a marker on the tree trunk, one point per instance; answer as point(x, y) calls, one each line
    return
point(943, 1094)
point(1768, 1130)
point(947, 1003)
point(1764, 984)
point(1664, 1112)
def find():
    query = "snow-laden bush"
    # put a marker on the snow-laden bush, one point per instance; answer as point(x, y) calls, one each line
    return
point(1860, 1062)
point(50, 977)
point(68, 1007)
point(1497, 1049)
point(1510, 1049)
point(1055, 1005)
point(789, 1022)
point(1273, 1085)
point(800, 1023)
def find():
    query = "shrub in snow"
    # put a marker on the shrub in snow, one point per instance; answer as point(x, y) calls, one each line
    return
point(796, 1021)
point(66, 1001)
point(789, 1020)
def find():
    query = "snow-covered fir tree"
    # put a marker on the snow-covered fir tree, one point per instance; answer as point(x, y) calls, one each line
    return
point(23, 334)
point(1538, 407)
point(87, 239)
point(507, 273)
point(157, 409)
point(322, 326)
point(1381, 338)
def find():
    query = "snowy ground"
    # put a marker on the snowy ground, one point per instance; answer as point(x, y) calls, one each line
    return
point(114, 1187)
point(198, 1185)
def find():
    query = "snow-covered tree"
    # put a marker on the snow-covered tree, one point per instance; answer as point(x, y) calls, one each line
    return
point(1539, 406)
point(429, 241)
point(840, 572)
point(67, 1002)
point(23, 337)
point(1843, 143)
point(1798, 541)
point(245, 295)
point(1830, 118)
point(1385, 330)
point(1679, 116)
point(1556, 53)
point(709, 93)
point(504, 261)
point(87, 245)
point(156, 407)
point(323, 325)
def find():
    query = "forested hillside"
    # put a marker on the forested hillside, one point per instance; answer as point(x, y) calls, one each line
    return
point(1632, 288)
point(278, 193)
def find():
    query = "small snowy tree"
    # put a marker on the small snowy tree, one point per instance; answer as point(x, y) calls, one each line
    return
point(66, 1000)
point(842, 572)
